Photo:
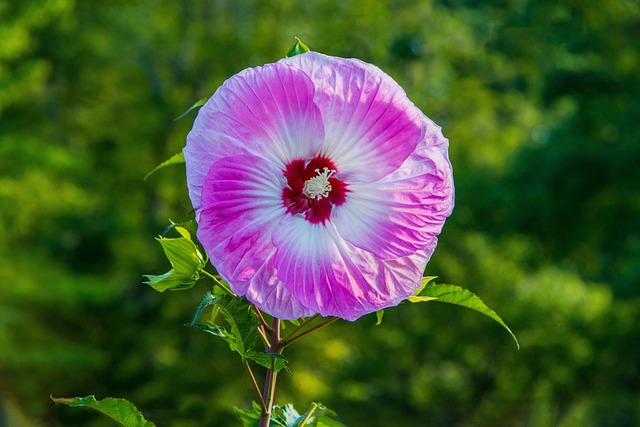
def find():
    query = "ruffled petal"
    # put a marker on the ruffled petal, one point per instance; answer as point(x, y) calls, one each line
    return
point(266, 111)
point(334, 278)
point(404, 211)
point(371, 127)
point(241, 206)
point(270, 295)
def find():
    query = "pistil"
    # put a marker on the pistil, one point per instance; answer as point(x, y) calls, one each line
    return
point(319, 186)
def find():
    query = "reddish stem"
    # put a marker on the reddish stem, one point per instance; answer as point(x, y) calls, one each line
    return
point(272, 374)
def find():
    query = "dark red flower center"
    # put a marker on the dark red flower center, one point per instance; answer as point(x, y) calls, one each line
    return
point(313, 189)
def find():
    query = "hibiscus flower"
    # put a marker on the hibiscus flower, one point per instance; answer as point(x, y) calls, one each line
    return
point(318, 187)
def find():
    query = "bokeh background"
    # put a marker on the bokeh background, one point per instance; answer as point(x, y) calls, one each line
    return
point(541, 102)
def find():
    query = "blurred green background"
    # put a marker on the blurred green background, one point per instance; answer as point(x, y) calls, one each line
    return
point(541, 103)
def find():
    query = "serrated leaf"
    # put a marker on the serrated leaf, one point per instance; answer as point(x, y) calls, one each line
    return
point(217, 330)
point(249, 418)
point(185, 258)
point(286, 415)
point(266, 359)
point(298, 48)
point(206, 301)
point(242, 320)
point(425, 281)
point(242, 331)
point(176, 159)
point(318, 415)
point(198, 103)
point(121, 410)
point(453, 294)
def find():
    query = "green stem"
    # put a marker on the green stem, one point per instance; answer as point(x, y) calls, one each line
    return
point(312, 409)
point(217, 282)
point(263, 336)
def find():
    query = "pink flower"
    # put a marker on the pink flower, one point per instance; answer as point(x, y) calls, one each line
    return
point(318, 186)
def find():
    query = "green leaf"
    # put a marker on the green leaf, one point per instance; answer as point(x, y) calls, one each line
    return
point(318, 415)
point(298, 48)
point(173, 160)
point(249, 418)
point(242, 331)
point(379, 315)
point(265, 359)
point(198, 103)
point(286, 415)
point(293, 322)
point(185, 258)
point(120, 410)
point(453, 294)
point(420, 298)
point(206, 301)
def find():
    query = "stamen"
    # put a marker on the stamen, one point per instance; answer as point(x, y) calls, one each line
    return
point(319, 187)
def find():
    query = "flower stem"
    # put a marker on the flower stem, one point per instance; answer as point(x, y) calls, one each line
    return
point(256, 388)
point(293, 338)
point(217, 282)
point(264, 323)
point(310, 412)
point(272, 374)
point(301, 326)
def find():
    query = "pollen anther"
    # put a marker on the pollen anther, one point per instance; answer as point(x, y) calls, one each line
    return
point(319, 186)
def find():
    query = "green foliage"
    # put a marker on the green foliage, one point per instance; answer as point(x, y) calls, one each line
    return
point(186, 260)
point(121, 410)
point(453, 294)
point(176, 159)
point(242, 331)
point(197, 104)
point(286, 416)
point(298, 48)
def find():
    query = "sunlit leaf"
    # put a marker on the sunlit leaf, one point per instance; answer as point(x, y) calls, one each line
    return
point(190, 225)
point(185, 258)
point(286, 415)
point(453, 294)
point(176, 159)
point(298, 48)
point(121, 410)
point(317, 415)
point(379, 315)
point(420, 298)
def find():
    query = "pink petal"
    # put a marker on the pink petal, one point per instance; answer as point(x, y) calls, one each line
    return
point(334, 278)
point(270, 295)
point(265, 111)
point(404, 211)
point(241, 206)
point(371, 127)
